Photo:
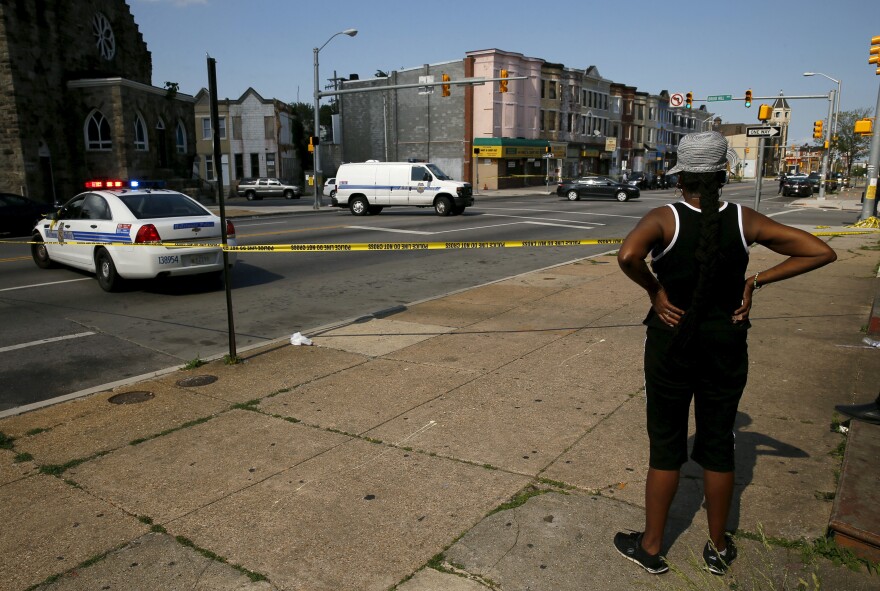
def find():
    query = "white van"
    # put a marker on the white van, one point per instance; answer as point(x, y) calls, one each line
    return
point(368, 187)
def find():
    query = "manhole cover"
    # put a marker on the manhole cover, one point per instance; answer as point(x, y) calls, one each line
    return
point(132, 397)
point(191, 381)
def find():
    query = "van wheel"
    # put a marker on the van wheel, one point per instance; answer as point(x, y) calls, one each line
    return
point(443, 206)
point(375, 209)
point(288, 194)
point(108, 278)
point(359, 206)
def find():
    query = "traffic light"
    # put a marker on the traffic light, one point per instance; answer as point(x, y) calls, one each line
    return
point(864, 127)
point(817, 129)
point(875, 52)
point(748, 98)
point(445, 86)
point(502, 85)
point(689, 101)
point(764, 112)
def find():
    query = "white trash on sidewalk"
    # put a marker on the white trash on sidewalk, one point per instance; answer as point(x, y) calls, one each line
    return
point(298, 339)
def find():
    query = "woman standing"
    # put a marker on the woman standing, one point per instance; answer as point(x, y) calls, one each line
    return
point(696, 335)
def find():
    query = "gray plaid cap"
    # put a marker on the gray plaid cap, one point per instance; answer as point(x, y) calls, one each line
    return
point(706, 151)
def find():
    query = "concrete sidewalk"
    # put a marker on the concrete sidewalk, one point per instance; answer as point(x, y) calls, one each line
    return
point(487, 439)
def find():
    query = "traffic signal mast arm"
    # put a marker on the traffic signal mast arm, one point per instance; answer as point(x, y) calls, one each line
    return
point(463, 81)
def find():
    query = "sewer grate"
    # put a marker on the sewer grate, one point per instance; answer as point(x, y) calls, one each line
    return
point(132, 397)
point(191, 381)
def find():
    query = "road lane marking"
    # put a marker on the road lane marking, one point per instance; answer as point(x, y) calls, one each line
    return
point(377, 229)
point(45, 341)
point(14, 259)
point(611, 215)
point(45, 284)
point(520, 217)
point(239, 235)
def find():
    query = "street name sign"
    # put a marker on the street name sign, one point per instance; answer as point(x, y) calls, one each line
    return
point(769, 131)
point(719, 97)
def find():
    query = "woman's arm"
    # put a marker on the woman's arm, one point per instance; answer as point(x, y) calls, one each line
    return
point(805, 252)
point(631, 258)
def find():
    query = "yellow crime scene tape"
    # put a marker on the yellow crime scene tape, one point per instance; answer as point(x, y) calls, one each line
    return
point(384, 246)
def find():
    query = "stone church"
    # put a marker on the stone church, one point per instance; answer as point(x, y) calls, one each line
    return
point(77, 101)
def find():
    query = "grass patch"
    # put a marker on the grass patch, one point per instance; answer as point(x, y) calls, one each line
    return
point(36, 431)
point(252, 575)
point(22, 457)
point(195, 363)
point(59, 469)
point(171, 430)
point(6, 441)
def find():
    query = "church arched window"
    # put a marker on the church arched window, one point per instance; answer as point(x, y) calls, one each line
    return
point(140, 133)
point(97, 132)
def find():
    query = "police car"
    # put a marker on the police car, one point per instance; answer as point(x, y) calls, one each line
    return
point(118, 222)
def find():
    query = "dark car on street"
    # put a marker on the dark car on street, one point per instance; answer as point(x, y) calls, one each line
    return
point(796, 186)
point(596, 186)
point(814, 178)
point(19, 214)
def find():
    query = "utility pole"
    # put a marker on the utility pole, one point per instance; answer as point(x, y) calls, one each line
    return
point(826, 146)
point(870, 202)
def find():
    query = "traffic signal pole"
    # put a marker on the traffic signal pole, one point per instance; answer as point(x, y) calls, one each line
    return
point(759, 177)
point(827, 145)
point(870, 202)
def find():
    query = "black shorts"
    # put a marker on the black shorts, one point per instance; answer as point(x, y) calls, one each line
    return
point(714, 375)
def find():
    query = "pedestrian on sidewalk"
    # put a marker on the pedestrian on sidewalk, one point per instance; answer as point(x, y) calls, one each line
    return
point(696, 335)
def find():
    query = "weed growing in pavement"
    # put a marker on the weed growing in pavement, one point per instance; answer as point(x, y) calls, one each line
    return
point(172, 430)
point(6, 441)
point(249, 405)
point(252, 575)
point(194, 364)
point(232, 360)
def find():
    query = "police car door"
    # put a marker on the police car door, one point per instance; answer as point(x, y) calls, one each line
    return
point(92, 225)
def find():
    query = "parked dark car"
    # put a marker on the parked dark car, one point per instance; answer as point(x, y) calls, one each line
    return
point(638, 179)
point(797, 186)
point(596, 186)
point(830, 183)
point(19, 214)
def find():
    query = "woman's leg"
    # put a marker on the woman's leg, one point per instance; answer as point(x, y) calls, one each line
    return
point(660, 489)
point(718, 487)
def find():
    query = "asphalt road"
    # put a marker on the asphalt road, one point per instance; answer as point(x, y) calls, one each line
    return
point(62, 333)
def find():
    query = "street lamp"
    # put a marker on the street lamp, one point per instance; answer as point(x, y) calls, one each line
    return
point(317, 147)
point(837, 105)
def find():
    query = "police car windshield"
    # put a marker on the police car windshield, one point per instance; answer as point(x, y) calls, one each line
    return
point(439, 174)
point(161, 205)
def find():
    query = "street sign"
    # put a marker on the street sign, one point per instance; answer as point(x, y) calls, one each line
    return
point(549, 155)
point(719, 97)
point(769, 131)
point(676, 100)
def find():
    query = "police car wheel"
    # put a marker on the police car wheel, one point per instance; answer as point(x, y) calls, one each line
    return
point(40, 254)
point(108, 278)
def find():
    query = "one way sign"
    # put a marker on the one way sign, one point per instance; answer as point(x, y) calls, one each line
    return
point(768, 131)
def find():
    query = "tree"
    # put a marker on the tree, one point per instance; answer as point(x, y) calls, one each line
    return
point(848, 145)
point(300, 130)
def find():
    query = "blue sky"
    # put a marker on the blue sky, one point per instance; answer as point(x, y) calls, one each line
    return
point(709, 48)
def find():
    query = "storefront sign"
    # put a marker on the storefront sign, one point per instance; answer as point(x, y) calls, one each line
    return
point(610, 144)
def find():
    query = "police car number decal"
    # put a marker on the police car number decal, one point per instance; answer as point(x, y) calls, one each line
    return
point(169, 260)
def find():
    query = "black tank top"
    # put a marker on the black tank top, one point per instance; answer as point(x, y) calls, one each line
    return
point(677, 269)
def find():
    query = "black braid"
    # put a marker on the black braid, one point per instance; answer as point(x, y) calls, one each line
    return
point(707, 184)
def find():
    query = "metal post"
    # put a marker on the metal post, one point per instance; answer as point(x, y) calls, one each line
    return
point(317, 153)
point(827, 139)
point(218, 171)
point(759, 177)
point(870, 202)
